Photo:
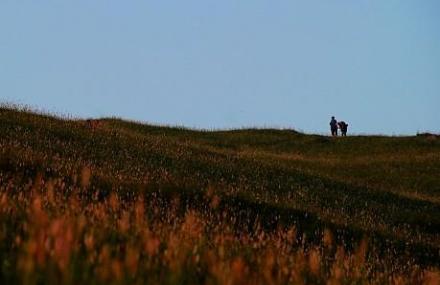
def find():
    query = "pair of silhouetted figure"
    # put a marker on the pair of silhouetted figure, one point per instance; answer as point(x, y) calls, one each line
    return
point(334, 125)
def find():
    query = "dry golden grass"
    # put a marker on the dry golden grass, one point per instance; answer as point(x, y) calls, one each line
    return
point(131, 204)
point(58, 239)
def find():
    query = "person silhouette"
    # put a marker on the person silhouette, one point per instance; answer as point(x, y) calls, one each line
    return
point(334, 126)
point(343, 126)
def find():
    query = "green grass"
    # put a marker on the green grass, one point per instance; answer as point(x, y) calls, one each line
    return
point(386, 188)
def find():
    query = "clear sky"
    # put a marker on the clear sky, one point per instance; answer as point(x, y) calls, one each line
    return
point(228, 63)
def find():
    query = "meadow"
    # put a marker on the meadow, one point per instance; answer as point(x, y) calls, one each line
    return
point(129, 203)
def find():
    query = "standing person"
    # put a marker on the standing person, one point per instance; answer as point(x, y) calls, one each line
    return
point(334, 126)
point(343, 126)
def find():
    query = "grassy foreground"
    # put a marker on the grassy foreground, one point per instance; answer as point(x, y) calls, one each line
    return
point(127, 203)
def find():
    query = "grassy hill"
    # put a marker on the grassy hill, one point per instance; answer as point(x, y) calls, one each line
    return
point(224, 203)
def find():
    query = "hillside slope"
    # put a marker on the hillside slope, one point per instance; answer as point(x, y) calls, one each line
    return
point(386, 188)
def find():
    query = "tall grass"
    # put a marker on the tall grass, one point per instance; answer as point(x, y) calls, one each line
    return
point(132, 204)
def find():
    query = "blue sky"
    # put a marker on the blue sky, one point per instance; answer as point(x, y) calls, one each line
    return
point(229, 63)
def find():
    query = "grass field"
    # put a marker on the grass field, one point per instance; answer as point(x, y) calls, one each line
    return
point(129, 203)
